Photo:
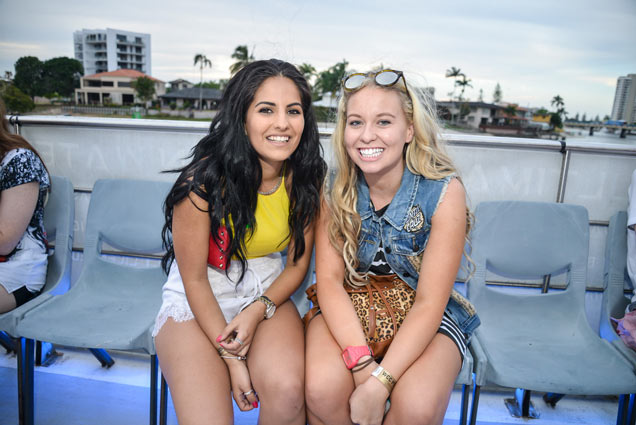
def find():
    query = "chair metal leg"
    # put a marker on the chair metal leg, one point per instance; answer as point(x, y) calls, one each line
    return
point(7, 342)
point(520, 406)
point(45, 354)
point(552, 398)
point(163, 404)
point(25, 381)
point(475, 405)
point(154, 366)
point(623, 409)
point(103, 357)
point(464, 409)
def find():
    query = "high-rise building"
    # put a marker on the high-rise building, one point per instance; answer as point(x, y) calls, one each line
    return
point(110, 50)
point(625, 99)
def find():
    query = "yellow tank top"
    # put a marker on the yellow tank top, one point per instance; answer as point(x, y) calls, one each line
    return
point(272, 223)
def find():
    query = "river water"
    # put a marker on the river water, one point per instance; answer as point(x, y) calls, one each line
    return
point(583, 135)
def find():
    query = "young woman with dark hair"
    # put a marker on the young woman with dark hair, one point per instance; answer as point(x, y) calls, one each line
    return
point(24, 183)
point(256, 177)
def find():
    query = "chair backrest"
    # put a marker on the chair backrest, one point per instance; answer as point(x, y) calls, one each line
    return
point(525, 240)
point(615, 274)
point(59, 217)
point(299, 297)
point(125, 214)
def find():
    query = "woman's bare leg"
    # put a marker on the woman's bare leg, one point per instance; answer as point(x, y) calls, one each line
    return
point(276, 365)
point(422, 393)
point(198, 378)
point(328, 383)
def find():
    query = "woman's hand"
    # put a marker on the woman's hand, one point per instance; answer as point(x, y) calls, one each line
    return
point(238, 334)
point(241, 385)
point(367, 402)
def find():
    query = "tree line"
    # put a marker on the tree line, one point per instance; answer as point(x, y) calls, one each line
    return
point(58, 77)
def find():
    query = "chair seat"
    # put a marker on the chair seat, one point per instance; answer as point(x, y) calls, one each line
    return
point(77, 317)
point(568, 366)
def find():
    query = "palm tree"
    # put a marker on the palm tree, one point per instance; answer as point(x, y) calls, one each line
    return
point(307, 70)
point(454, 73)
point(203, 62)
point(557, 101)
point(242, 56)
point(463, 83)
point(329, 81)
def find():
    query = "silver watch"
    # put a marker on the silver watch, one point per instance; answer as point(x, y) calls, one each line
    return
point(270, 307)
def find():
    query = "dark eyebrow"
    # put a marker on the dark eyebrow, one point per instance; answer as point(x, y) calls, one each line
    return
point(264, 102)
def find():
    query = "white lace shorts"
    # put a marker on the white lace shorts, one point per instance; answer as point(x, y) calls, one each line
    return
point(231, 295)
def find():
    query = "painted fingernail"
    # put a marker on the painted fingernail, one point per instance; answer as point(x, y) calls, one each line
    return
point(218, 338)
point(255, 404)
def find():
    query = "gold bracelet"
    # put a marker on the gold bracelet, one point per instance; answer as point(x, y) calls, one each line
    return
point(224, 354)
point(383, 375)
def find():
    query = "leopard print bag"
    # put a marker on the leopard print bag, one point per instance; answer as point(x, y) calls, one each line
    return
point(381, 306)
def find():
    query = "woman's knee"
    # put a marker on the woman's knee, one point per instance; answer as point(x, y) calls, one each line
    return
point(326, 395)
point(420, 410)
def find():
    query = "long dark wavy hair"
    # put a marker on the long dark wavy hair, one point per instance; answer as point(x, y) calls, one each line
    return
point(225, 170)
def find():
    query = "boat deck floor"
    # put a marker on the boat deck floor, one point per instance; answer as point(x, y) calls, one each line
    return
point(76, 390)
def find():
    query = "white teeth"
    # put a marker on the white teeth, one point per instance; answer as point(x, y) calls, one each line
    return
point(278, 138)
point(371, 152)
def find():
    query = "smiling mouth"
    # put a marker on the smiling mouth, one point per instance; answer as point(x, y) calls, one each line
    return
point(280, 139)
point(371, 152)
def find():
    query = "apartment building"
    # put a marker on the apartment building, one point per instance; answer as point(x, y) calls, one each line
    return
point(624, 107)
point(110, 49)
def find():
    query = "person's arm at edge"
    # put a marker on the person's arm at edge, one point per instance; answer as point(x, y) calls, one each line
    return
point(335, 304)
point(16, 209)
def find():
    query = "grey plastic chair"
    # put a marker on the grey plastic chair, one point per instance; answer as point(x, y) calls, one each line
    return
point(538, 342)
point(112, 305)
point(615, 281)
point(59, 214)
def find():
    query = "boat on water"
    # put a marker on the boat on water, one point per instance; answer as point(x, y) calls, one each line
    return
point(75, 389)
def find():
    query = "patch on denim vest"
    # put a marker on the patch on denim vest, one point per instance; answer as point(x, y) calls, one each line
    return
point(414, 220)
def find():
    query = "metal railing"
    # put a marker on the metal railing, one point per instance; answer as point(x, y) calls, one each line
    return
point(568, 151)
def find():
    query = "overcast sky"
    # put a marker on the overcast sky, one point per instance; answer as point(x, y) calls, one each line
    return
point(535, 49)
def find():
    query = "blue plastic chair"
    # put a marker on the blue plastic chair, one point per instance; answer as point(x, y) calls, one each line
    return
point(112, 305)
point(59, 214)
point(538, 342)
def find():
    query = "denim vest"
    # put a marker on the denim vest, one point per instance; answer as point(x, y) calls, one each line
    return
point(404, 230)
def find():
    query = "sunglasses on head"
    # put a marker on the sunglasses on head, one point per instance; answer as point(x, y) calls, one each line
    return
point(384, 78)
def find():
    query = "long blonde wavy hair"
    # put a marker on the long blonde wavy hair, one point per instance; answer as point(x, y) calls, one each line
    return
point(425, 155)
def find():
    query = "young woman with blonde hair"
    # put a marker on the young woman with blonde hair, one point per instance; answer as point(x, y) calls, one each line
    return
point(395, 216)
